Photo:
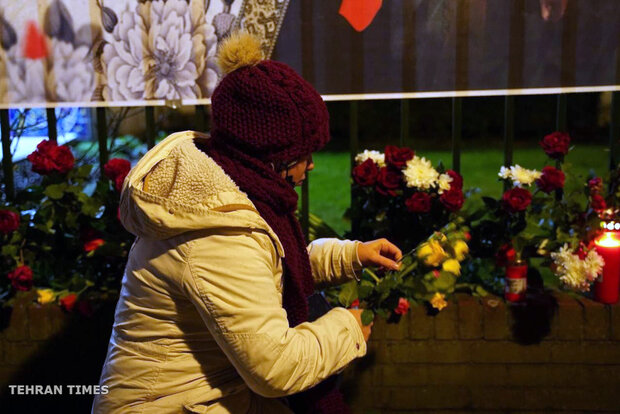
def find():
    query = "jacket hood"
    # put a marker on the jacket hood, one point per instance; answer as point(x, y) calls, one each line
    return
point(176, 188)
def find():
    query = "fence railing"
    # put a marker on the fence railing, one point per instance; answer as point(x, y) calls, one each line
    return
point(202, 124)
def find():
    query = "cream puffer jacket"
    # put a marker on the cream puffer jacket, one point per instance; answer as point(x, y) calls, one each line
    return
point(199, 326)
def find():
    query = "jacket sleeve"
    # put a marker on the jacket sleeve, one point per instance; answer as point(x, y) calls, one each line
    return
point(230, 280)
point(333, 261)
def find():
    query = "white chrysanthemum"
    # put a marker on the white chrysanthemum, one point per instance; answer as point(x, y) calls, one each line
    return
point(160, 50)
point(376, 156)
point(523, 176)
point(593, 264)
point(519, 175)
point(26, 77)
point(444, 183)
point(574, 272)
point(504, 173)
point(420, 173)
point(73, 76)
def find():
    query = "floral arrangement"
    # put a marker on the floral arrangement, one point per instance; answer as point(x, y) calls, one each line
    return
point(63, 237)
point(400, 195)
point(428, 274)
point(550, 210)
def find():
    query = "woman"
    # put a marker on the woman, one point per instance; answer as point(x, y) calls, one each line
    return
point(212, 316)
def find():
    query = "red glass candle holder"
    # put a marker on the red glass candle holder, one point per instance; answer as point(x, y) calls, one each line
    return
point(516, 281)
point(607, 285)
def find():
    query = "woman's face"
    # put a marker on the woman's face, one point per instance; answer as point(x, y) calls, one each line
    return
point(297, 172)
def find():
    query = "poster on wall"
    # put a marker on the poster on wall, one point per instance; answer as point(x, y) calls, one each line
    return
point(410, 48)
point(121, 52)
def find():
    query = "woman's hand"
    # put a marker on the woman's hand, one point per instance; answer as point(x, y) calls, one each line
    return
point(379, 253)
point(366, 329)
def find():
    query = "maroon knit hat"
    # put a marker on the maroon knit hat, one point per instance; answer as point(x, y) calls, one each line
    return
point(269, 112)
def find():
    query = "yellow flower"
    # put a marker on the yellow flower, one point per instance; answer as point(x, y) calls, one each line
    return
point(438, 301)
point(432, 253)
point(45, 296)
point(460, 250)
point(453, 266)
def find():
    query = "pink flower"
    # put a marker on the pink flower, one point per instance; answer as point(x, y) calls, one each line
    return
point(403, 306)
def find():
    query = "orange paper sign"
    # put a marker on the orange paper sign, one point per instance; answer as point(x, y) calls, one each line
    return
point(360, 13)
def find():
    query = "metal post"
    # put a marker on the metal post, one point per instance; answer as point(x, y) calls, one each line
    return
point(201, 117)
point(52, 131)
point(354, 147)
point(7, 159)
point(305, 208)
point(560, 120)
point(149, 114)
point(509, 130)
point(457, 132)
point(353, 130)
point(404, 122)
point(614, 129)
point(102, 137)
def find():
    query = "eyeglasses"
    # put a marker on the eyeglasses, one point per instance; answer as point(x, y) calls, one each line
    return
point(307, 158)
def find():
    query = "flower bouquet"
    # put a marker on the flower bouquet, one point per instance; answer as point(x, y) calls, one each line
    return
point(540, 212)
point(428, 274)
point(401, 196)
point(63, 237)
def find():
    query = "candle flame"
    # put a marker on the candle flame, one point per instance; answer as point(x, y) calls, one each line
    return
point(608, 239)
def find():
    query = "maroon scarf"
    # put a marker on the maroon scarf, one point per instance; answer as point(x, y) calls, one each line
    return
point(276, 201)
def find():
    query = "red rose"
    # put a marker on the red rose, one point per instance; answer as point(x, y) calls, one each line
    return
point(556, 144)
point(581, 253)
point(9, 221)
point(388, 181)
point(516, 199)
point(457, 179)
point(355, 304)
point(596, 185)
point(419, 203)
point(116, 167)
point(397, 157)
point(93, 244)
point(68, 301)
point(118, 182)
point(63, 158)
point(452, 200)
point(505, 255)
point(49, 158)
point(598, 203)
point(116, 170)
point(551, 179)
point(21, 278)
point(366, 173)
point(403, 306)
point(84, 307)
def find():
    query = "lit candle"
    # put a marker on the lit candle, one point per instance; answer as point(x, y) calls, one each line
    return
point(606, 287)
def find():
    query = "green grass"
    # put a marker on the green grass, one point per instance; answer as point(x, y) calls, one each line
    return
point(330, 182)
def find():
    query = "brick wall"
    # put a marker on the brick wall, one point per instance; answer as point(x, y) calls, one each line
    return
point(558, 354)
point(44, 345)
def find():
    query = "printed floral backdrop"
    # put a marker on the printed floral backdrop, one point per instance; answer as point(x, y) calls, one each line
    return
point(120, 52)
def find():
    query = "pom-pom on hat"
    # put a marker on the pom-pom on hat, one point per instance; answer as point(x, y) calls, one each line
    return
point(263, 107)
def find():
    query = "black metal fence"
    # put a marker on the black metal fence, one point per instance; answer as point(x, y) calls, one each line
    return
point(202, 122)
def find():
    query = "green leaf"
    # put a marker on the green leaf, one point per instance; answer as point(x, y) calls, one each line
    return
point(90, 206)
point(84, 171)
point(367, 316)
point(9, 250)
point(445, 281)
point(348, 293)
point(55, 191)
